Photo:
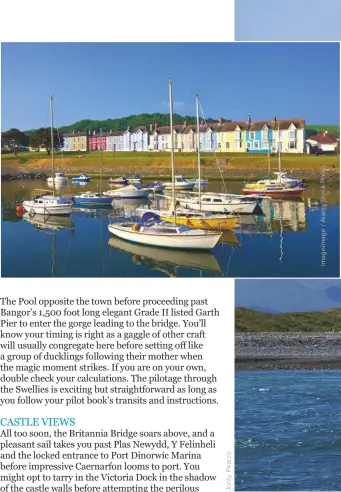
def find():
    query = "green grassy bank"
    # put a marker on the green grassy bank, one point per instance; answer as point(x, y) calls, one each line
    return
point(248, 320)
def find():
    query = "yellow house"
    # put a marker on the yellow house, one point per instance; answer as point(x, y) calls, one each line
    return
point(78, 141)
point(232, 137)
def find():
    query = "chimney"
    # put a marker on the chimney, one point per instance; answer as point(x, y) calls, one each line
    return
point(185, 123)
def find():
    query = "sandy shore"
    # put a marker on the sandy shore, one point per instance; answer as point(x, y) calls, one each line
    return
point(283, 351)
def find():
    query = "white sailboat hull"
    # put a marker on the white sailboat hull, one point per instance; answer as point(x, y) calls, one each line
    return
point(46, 209)
point(232, 206)
point(179, 186)
point(179, 241)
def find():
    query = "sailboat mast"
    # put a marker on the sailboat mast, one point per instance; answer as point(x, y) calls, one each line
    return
point(279, 156)
point(52, 142)
point(198, 150)
point(172, 143)
point(100, 153)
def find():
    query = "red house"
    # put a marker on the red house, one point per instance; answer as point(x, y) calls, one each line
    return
point(98, 141)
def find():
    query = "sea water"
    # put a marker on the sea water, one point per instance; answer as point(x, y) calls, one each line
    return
point(288, 430)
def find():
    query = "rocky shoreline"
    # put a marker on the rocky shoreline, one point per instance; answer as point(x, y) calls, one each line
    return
point(287, 351)
point(162, 173)
point(23, 175)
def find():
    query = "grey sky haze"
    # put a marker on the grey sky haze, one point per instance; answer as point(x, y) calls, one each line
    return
point(288, 20)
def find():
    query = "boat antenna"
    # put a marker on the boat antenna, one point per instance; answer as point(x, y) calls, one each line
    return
point(52, 142)
point(172, 143)
point(198, 149)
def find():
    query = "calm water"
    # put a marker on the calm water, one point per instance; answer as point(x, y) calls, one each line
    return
point(288, 430)
point(283, 242)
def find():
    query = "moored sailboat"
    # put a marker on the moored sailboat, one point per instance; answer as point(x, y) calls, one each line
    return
point(92, 198)
point(46, 202)
point(282, 185)
point(151, 230)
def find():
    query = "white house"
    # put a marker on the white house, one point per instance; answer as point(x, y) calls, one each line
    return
point(323, 141)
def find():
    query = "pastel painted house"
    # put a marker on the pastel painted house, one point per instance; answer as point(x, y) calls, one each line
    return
point(98, 141)
point(209, 136)
point(269, 136)
point(232, 137)
point(259, 136)
point(160, 138)
point(291, 136)
point(75, 142)
point(115, 141)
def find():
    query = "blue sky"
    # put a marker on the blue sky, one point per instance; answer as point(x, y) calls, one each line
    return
point(289, 20)
point(110, 80)
point(288, 295)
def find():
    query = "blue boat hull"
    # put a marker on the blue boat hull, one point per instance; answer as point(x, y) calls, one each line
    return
point(104, 200)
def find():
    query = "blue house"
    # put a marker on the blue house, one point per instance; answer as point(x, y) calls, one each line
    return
point(259, 136)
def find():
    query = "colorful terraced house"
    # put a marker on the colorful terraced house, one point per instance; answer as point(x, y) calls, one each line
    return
point(75, 141)
point(269, 136)
point(232, 137)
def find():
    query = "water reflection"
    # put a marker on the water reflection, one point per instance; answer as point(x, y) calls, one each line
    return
point(284, 241)
point(159, 258)
point(52, 222)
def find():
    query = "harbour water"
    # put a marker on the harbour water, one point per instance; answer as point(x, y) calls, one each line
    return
point(287, 240)
point(288, 430)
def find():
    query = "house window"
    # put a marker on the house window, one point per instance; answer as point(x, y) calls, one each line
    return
point(237, 135)
point(292, 134)
point(252, 135)
point(248, 145)
point(256, 145)
point(238, 144)
point(292, 144)
point(265, 135)
point(219, 145)
point(227, 145)
point(265, 144)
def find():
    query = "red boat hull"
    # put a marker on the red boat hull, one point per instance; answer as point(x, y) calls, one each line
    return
point(288, 192)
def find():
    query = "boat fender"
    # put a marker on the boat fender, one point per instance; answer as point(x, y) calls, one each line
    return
point(135, 227)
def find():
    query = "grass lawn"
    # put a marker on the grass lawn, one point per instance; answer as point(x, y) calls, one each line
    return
point(247, 320)
point(72, 163)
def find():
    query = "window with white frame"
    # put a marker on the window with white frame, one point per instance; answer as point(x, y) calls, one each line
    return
point(237, 135)
point(252, 135)
point(219, 145)
point(227, 145)
point(256, 144)
point(292, 134)
point(265, 144)
point(248, 145)
point(238, 144)
point(265, 135)
point(292, 144)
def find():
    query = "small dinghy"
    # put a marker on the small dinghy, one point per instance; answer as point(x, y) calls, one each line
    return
point(155, 187)
point(129, 191)
point(82, 178)
point(118, 181)
point(91, 198)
